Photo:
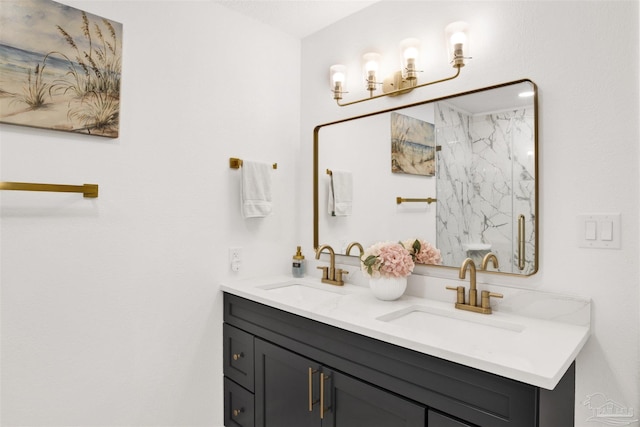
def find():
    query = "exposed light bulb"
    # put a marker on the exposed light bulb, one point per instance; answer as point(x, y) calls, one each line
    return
point(337, 77)
point(371, 66)
point(458, 38)
point(410, 53)
point(457, 42)
point(410, 49)
point(371, 62)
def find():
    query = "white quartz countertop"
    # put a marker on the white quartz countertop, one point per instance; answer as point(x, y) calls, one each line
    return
point(533, 350)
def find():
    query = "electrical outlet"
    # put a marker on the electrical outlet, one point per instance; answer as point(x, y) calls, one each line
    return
point(235, 258)
point(235, 254)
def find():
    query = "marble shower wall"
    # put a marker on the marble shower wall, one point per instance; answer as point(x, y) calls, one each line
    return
point(485, 180)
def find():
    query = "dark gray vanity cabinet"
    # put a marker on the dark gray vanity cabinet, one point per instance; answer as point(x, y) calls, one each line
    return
point(284, 370)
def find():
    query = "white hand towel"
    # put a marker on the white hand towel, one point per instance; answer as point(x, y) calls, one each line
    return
point(256, 189)
point(340, 193)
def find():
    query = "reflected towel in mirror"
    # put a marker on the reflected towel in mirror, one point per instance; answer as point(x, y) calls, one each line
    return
point(256, 189)
point(340, 193)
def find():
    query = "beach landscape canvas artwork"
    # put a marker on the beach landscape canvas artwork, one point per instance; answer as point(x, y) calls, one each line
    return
point(60, 68)
point(412, 146)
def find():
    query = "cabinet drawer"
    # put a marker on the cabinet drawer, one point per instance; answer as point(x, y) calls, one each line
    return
point(238, 405)
point(435, 419)
point(238, 356)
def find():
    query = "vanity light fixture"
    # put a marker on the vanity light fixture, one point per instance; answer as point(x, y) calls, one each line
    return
point(406, 79)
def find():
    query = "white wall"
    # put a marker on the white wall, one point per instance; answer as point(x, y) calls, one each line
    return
point(584, 58)
point(110, 308)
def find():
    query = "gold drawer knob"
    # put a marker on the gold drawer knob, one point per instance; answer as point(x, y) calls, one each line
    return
point(238, 356)
point(237, 412)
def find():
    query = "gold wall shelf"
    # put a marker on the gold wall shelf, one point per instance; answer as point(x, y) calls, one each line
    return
point(87, 190)
point(428, 200)
point(235, 163)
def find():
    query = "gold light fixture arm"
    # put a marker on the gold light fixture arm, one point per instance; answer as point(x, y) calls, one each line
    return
point(401, 90)
point(87, 190)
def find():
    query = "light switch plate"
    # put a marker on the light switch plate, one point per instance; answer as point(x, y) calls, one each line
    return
point(599, 231)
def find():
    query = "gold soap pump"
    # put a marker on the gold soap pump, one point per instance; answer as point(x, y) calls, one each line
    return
point(297, 267)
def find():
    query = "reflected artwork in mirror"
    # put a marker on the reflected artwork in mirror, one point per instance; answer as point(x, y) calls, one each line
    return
point(482, 198)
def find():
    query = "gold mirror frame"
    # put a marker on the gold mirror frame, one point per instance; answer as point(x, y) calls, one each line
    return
point(317, 172)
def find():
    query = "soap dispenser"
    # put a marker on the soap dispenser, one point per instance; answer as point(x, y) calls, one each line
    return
point(297, 268)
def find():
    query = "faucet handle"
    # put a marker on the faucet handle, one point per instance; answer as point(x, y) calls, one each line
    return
point(486, 296)
point(339, 273)
point(460, 291)
point(325, 271)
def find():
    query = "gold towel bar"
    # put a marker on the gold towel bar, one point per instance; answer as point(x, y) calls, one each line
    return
point(87, 190)
point(235, 163)
point(427, 200)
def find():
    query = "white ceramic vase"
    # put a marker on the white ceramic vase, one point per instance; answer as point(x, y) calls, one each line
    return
point(388, 288)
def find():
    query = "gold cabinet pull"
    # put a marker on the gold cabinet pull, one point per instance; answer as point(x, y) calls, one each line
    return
point(237, 412)
point(238, 356)
point(323, 378)
point(311, 401)
point(521, 247)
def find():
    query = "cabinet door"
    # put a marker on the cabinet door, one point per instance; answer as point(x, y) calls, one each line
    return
point(349, 402)
point(286, 392)
point(438, 420)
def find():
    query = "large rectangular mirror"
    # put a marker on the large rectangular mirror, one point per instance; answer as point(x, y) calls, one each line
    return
point(459, 172)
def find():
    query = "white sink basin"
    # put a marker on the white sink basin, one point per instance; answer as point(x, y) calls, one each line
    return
point(458, 321)
point(306, 292)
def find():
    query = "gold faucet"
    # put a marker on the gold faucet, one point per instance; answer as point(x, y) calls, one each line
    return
point(330, 274)
point(473, 292)
point(490, 257)
point(357, 245)
point(485, 306)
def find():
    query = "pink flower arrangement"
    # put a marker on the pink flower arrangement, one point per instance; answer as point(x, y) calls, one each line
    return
point(387, 259)
point(423, 252)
